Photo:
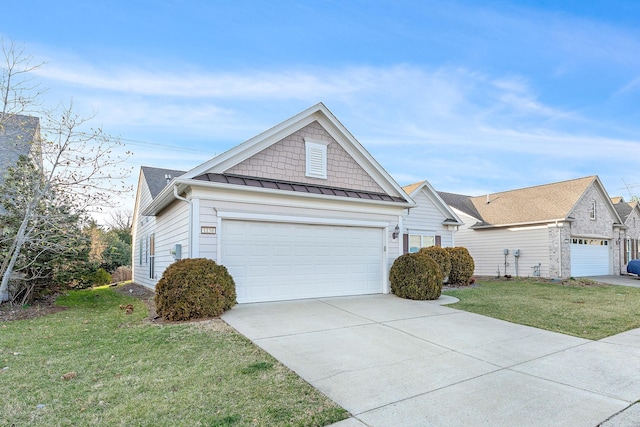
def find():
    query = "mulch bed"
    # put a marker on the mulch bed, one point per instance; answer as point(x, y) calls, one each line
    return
point(37, 309)
point(47, 306)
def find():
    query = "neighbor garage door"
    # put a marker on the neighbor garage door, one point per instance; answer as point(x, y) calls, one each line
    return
point(589, 257)
point(272, 261)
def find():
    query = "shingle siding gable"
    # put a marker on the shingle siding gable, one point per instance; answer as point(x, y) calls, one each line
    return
point(285, 161)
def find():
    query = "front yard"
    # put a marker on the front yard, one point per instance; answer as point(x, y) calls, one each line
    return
point(575, 307)
point(94, 364)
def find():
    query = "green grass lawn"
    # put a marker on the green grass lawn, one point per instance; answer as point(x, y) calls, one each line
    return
point(574, 307)
point(129, 372)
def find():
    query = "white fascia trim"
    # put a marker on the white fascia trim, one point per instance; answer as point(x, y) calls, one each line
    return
point(520, 224)
point(246, 216)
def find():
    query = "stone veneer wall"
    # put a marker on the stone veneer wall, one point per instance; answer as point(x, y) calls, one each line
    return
point(559, 251)
point(285, 160)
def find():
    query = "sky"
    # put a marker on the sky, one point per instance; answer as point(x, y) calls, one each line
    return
point(476, 97)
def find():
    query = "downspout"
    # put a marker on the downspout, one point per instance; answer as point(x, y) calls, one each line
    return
point(184, 199)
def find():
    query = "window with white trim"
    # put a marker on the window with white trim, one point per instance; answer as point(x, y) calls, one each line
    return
point(627, 252)
point(418, 241)
point(592, 210)
point(316, 158)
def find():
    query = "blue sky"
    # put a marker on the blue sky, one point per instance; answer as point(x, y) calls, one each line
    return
point(474, 96)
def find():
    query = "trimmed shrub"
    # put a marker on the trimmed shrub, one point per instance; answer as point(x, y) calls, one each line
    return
point(100, 277)
point(416, 276)
point(194, 288)
point(462, 266)
point(441, 257)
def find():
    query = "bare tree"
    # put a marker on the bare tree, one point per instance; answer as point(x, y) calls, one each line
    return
point(120, 219)
point(75, 169)
point(20, 92)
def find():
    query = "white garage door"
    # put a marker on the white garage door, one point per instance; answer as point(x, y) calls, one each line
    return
point(589, 257)
point(278, 261)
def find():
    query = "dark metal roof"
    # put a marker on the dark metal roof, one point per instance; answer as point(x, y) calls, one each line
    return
point(296, 187)
point(156, 178)
point(461, 202)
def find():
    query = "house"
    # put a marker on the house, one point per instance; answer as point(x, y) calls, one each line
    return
point(17, 136)
point(431, 223)
point(301, 210)
point(629, 213)
point(557, 230)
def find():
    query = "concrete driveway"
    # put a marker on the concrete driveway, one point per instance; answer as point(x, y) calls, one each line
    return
point(395, 362)
point(621, 280)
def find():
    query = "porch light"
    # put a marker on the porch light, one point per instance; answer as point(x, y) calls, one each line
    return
point(396, 232)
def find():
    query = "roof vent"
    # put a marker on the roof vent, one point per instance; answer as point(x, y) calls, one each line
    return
point(168, 178)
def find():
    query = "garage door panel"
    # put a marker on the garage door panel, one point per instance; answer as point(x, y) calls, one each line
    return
point(590, 258)
point(276, 261)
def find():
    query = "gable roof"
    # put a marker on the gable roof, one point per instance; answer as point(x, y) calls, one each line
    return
point(414, 189)
point(623, 208)
point(156, 178)
point(218, 165)
point(538, 204)
point(460, 202)
point(541, 203)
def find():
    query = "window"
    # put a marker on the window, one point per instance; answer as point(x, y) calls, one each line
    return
point(417, 241)
point(627, 250)
point(152, 255)
point(592, 210)
point(316, 158)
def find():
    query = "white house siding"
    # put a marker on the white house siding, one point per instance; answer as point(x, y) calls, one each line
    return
point(487, 249)
point(215, 205)
point(142, 227)
point(174, 223)
point(426, 217)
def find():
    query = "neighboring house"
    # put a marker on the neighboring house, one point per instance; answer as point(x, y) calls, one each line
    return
point(629, 213)
point(556, 230)
point(301, 210)
point(17, 136)
point(430, 223)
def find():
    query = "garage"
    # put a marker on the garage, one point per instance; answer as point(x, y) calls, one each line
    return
point(273, 261)
point(589, 257)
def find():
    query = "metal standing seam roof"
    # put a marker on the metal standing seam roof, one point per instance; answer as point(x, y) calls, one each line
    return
point(296, 187)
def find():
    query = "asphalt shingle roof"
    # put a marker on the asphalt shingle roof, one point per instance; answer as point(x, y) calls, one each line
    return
point(460, 202)
point(17, 133)
point(525, 205)
point(156, 178)
point(623, 208)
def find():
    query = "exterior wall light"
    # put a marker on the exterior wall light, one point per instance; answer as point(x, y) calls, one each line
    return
point(396, 232)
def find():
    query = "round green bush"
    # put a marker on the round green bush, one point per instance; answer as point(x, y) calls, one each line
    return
point(441, 257)
point(462, 266)
point(416, 276)
point(100, 277)
point(194, 288)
